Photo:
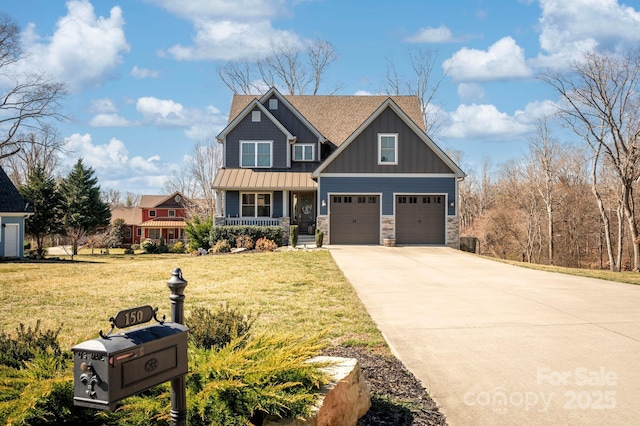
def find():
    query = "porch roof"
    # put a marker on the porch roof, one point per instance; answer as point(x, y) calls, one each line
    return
point(229, 179)
point(163, 224)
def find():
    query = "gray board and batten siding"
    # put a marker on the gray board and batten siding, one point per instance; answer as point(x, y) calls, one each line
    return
point(264, 130)
point(414, 155)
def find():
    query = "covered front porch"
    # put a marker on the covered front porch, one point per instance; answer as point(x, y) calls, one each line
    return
point(171, 231)
point(265, 198)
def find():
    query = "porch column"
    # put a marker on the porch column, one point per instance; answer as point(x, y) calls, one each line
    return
point(285, 203)
point(219, 197)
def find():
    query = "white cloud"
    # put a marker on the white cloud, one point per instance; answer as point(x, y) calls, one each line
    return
point(570, 28)
point(104, 105)
point(162, 112)
point(503, 60)
point(212, 9)
point(470, 91)
point(110, 120)
point(115, 168)
point(168, 113)
point(442, 34)
point(228, 40)
point(84, 50)
point(481, 121)
point(144, 72)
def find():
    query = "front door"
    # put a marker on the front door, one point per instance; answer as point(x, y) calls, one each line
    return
point(304, 211)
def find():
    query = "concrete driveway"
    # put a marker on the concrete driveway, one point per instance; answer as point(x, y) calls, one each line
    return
point(495, 344)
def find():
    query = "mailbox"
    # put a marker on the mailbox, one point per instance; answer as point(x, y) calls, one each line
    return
point(113, 367)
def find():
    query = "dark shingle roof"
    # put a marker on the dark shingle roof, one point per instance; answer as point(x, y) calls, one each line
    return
point(10, 199)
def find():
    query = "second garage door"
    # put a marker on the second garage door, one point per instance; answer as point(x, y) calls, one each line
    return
point(355, 219)
point(420, 219)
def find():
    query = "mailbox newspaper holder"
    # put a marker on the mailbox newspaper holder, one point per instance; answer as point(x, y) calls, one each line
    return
point(113, 367)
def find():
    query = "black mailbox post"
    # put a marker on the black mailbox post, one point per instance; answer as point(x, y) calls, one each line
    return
point(107, 370)
point(113, 367)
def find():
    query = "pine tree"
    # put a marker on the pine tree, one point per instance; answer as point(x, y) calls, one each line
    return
point(84, 212)
point(41, 191)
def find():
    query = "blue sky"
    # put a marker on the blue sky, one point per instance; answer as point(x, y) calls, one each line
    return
point(143, 87)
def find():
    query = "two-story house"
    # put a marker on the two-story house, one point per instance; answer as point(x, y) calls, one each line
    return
point(155, 217)
point(360, 168)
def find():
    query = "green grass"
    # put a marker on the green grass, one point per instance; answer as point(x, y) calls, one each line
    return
point(300, 291)
point(627, 277)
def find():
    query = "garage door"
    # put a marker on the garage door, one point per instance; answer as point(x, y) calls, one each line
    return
point(420, 219)
point(355, 219)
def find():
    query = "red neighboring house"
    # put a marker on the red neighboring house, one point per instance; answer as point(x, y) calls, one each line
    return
point(156, 217)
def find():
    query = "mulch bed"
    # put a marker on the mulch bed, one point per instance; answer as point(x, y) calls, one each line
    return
point(397, 397)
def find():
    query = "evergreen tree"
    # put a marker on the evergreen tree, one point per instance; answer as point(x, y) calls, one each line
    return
point(41, 191)
point(84, 211)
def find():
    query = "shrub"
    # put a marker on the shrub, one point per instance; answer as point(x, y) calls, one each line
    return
point(28, 342)
point(215, 330)
point(148, 246)
point(267, 374)
point(230, 233)
point(162, 247)
point(135, 247)
point(177, 247)
point(319, 238)
point(221, 246)
point(199, 233)
point(264, 244)
point(244, 241)
point(129, 250)
point(293, 231)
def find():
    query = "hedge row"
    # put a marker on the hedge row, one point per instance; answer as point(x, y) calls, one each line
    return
point(230, 233)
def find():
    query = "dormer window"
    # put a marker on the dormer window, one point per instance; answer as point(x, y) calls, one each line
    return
point(303, 152)
point(387, 148)
point(255, 116)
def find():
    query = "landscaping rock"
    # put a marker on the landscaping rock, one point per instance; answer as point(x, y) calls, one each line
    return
point(343, 401)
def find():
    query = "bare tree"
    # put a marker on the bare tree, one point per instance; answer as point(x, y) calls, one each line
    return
point(39, 149)
point(195, 179)
point(542, 172)
point(27, 100)
point(602, 104)
point(297, 70)
point(421, 83)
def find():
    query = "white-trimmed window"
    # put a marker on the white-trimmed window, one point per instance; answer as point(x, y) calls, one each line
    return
point(387, 148)
point(255, 153)
point(154, 233)
point(256, 205)
point(172, 213)
point(255, 116)
point(303, 152)
point(152, 213)
point(273, 103)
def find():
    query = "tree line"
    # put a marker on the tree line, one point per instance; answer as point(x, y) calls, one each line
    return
point(569, 203)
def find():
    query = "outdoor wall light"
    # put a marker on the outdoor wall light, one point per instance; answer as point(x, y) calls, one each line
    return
point(324, 203)
point(452, 204)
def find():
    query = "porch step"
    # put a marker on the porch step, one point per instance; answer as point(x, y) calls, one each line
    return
point(306, 239)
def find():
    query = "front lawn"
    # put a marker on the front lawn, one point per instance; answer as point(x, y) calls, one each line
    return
point(302, 291)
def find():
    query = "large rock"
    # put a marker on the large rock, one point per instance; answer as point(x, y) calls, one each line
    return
point(343, 401)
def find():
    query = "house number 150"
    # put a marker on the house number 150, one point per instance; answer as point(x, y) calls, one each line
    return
point(133, 316)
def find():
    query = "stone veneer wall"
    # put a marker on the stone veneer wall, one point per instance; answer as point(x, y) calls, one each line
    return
point(322, 223)
point(453, 232)
point(284, 224)
point(388, 226)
